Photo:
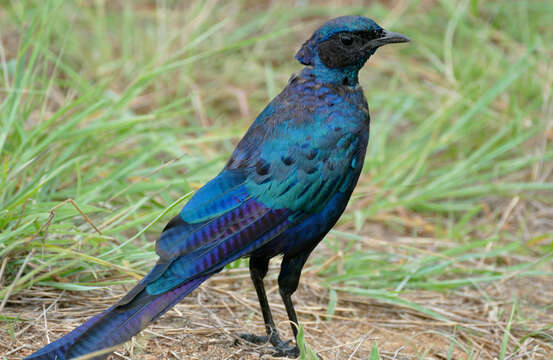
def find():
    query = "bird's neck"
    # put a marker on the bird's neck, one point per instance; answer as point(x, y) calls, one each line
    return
point(343, 76)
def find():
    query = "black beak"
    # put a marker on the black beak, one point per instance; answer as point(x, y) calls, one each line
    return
point(388, 37)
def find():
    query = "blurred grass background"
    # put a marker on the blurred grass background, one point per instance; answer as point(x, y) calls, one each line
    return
point(128, 107)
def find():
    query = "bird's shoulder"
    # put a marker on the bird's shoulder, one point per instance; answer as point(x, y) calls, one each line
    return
point(305, 145)
point(305, 100)
point(306, 113)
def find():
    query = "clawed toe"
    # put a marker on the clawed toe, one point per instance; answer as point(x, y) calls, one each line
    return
point(287, 351)
point(282, 348)
point(254, 339)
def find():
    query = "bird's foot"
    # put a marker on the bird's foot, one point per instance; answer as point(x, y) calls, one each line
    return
point(286, 350)
point(283, 348)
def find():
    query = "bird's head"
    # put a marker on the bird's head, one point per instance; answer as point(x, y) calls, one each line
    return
point(341, 46)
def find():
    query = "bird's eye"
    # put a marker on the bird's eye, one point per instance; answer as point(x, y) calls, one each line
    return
point(346, 39)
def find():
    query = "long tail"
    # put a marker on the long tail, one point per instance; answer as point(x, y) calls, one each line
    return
point(116, 325)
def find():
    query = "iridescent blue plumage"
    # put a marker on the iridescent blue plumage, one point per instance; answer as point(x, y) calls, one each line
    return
point(285, 186)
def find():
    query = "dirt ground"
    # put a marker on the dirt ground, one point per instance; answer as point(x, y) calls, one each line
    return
point(205, 325)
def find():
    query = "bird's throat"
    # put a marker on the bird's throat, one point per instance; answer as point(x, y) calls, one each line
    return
point(343, 76)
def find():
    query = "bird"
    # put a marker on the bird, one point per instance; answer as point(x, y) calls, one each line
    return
point(284, 187)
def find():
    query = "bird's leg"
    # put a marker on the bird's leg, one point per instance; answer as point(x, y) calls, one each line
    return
point(287, 299)
point(258, 270)
point(288, 281)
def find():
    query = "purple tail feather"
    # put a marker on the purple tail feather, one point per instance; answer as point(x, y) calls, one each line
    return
point(116, 325)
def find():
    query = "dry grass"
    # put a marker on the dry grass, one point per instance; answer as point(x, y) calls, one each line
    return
point(205, 325)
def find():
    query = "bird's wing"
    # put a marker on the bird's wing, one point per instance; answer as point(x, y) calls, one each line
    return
point(304, 172)
point(280, 176)
point(302, 154)
point(221, 223)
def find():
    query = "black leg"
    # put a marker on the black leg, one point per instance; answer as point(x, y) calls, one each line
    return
point(287, 299)
point(258, 270)
point(288, 280)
